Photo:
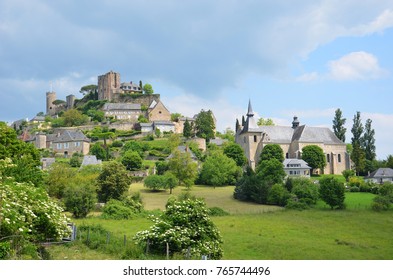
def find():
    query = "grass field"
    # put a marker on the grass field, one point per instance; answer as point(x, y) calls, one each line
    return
point(260, 232)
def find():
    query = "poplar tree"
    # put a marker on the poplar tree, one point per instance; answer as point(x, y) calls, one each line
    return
point(357, 129)
point(368, 141)
point(338, 125)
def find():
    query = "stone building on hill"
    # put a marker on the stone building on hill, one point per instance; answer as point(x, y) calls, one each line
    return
point(253, 138)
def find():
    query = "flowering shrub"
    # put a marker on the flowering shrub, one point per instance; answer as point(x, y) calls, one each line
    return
point(186, 227)
point(28, 211)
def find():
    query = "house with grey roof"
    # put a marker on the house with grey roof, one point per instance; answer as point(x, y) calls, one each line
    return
point(164, 126)
point(90, 160)
point(380, 176)
point(294, 167)
point(292, 139)
point(123, 111)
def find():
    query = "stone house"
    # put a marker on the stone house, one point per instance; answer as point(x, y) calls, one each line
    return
point(123, 111)
point(253, 138)
point(164, 126)
point(294, 167)
point(158, 112)
point(66, 142)
point(380, 176)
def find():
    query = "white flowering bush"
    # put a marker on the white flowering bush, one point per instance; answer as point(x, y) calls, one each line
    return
point(186, 227)
point(28, 211)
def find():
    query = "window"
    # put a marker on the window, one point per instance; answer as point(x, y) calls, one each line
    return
point(328, 157)
point(255, 138)
point(66, 145)
point(339, 157)
point(77, 144)
point(58, 146)
point(286, 155)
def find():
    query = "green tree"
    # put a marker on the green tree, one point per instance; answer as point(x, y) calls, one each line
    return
point(271, 171)
point(357, 130)
point(186, 227)
point(235, 152)
point(154, 182)
point(148, 89)
point(389, 161)
point(80, 197)
point(99, 151)
point(204, 125)
point(25, 157)
point(113, 181)
point(348, 174)
point(314, 156)
point(170, 181)
point(338, 125)
point(272, 151)
point(183, 167)
point(187, 129)
point(132, 160)
point(265, 122)
point(358, 157)
point(89, 89)
point(73, 117)
point(175, 117)
point(368, 141)
point(219, 170)
point(332, 192)
point(305, 190)
point(58, 178)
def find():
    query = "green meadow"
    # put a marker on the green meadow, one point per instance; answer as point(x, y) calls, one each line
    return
point(258, 232)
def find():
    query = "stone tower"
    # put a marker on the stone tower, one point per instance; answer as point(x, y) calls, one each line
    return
point(107, 84)
point(50, 107)
point(70, 99)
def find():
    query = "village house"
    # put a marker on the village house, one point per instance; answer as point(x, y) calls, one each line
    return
point(65, 142)
point(123, 111)
point(296, 168)
point(380, 176)
point(292, 139)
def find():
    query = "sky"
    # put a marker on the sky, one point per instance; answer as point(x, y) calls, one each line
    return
point(305, 57)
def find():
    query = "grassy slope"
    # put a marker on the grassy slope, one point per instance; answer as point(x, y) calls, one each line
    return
point(252, 233)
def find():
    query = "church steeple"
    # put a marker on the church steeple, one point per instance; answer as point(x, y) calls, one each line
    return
point(250, 121)
point(250, 112)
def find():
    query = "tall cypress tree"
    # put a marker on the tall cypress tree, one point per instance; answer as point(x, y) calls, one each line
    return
point(338, 125)
point(357, 129)
point(187, 129)
point(368, 141)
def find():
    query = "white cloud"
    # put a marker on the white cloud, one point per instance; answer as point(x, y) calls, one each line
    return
point(359, 65)
point(356, 66)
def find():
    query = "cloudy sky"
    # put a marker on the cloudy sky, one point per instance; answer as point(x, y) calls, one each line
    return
point(306, 58)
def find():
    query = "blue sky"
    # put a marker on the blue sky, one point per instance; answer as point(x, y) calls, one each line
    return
point(305, 59)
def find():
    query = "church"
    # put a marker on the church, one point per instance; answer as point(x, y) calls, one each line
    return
point(253, 138)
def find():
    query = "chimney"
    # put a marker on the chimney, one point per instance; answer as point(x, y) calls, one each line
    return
point(295, 122)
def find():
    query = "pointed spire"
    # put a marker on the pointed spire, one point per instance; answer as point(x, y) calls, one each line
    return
point(250, 113)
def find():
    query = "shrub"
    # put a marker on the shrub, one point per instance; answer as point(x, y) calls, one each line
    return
point(332, 192)
point(294, 203)
point(117, 210)
point(354, 189)
point(381, 203)
point(217, 211)
point(185, 225)
point(278, 195)
point(305, 190)
point(80, 199)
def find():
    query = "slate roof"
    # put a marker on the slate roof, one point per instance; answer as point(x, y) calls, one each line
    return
point(278, 134)
point(296, 161)
point(381, 173)
point(121, 106)
point(90, 160)
point(67, 136)
point(324, 135)
point(164, 123)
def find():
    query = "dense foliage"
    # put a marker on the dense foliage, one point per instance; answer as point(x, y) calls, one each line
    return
point(332, 192)
point(314, 156)
point(187, 228)
point(113, 181)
